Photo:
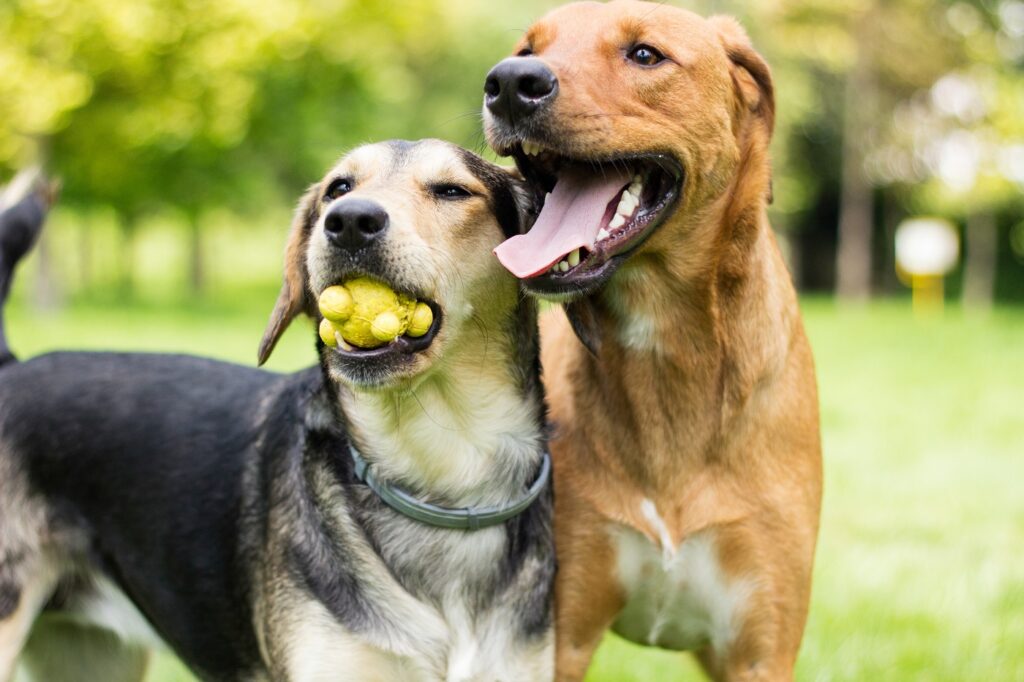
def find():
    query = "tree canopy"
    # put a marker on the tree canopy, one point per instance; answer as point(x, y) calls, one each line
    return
point(195, 105)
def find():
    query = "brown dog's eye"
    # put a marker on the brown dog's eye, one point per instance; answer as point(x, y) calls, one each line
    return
point(449, 192)
point(645, 55)
point(338, 188)
point(525, 52)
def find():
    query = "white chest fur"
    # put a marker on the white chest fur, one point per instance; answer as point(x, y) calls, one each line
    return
point(436, 648)
point(677, 597)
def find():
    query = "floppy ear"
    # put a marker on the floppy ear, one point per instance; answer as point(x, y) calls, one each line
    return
point(751, 77)
point(294, 298)
point(750, 72)
point(516, 204)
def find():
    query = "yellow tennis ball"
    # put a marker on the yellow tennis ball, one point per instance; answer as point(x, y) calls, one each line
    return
point(336, 304)
point(422, 318)
point(386, 326)
point(327, 333)
point(367, 313)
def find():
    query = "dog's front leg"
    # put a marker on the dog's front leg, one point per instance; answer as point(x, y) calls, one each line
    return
point(587, 594)
point(776, 560)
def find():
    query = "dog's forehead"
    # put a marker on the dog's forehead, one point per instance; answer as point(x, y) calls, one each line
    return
point(436, 159)
point(581, 24)
point(423, 160)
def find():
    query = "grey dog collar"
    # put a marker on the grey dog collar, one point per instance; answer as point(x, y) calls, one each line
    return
point(468, 518)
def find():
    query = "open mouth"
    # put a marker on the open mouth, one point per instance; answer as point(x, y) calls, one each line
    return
point(402, 346)
point(595, 213)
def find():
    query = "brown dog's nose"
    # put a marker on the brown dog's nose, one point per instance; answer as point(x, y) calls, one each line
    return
point(519, 86)
point(354, 223)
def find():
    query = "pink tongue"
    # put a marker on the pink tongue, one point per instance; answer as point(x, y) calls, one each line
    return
point(571, 218)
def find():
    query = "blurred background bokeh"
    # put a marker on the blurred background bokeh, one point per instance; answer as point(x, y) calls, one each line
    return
point(180, 127)
point(184, 130)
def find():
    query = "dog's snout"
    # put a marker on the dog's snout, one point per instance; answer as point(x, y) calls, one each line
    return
point(519, 86)
point(354, 223)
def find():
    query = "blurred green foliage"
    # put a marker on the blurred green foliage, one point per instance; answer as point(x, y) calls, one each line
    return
point(193, 116)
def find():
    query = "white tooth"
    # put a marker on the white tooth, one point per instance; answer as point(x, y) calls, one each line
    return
point(602, 234)
point(574, 258)
point(625, 208)
point(618, 220)
point(563, 267)
point(638, 180)
point(342, 343)
point(635, 189)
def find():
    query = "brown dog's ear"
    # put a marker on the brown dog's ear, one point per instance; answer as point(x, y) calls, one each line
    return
point(294, 298)
point(750, 73)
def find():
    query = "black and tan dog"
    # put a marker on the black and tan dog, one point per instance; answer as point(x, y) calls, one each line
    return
point(220, 509)
point(687, 452)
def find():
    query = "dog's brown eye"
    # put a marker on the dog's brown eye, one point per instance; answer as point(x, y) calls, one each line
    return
point(525, 52)
point(337, 189)
point(449, 192)
point(645, 55)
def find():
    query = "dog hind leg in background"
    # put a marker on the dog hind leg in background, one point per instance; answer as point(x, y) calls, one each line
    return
point(53, 650)
point(23, 208)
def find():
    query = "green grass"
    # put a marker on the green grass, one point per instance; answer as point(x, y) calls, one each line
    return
point(920, 571)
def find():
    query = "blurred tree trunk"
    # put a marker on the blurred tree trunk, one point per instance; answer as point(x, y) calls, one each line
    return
point(46, 292)
point(892, 214)
point(982, 241)
point(856, 204)
point(127, 283)
point(196, 269)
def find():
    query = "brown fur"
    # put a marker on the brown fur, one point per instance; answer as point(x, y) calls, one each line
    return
point(716, 419)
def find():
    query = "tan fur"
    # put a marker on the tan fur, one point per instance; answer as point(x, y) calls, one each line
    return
point(703, 399)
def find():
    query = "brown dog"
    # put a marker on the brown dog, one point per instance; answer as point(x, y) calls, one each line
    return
point(687, 451)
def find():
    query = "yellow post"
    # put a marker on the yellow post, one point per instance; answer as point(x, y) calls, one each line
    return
point(928, 294)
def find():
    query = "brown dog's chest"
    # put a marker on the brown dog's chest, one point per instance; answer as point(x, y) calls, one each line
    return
point(677, 594)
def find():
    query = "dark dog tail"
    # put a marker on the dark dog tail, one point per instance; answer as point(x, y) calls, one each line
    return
point(23, 207)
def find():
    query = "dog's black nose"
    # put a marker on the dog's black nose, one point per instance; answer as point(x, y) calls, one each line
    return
point(519, 86)
point(354, 223)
